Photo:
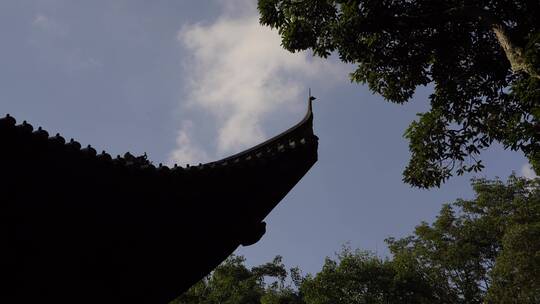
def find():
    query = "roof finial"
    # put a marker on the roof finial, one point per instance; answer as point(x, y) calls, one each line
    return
point(311, 98)
point(310, 102)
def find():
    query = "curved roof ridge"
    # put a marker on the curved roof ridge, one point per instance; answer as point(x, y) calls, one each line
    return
point(302, 129)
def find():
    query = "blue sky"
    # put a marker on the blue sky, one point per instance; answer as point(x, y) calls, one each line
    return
point(192, 81)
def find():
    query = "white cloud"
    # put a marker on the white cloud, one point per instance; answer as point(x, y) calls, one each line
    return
point(187, 152)
point(240, 74)
point(528, 172)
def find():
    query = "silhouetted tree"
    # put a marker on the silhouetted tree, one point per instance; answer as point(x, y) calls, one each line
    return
point(233, 283)
point(360, 277)
point(482, 58)
point(485, 250)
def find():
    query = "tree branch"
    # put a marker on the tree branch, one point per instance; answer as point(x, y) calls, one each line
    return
point(513, 52)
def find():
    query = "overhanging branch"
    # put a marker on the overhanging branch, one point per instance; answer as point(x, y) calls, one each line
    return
point(514, 53)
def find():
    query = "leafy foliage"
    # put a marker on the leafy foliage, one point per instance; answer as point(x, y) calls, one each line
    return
point(360, 277)
point(484, 249)
point(397, 46)
point(233, 283)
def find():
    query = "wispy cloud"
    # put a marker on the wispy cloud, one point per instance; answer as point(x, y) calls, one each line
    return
point(51, 38)
point(528, 172)
point(49, 25)
point(240, 75)
point(187, 152)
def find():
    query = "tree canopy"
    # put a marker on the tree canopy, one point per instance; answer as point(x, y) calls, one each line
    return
point(483, 250)
point(481, 57)
point(234, 283)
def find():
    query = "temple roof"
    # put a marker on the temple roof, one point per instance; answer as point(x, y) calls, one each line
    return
point(122, 229)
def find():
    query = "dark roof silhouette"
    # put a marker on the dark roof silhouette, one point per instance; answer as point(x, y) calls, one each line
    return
point(83, 227)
